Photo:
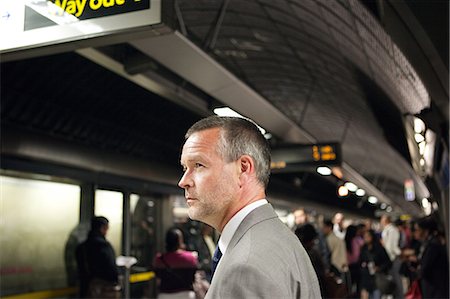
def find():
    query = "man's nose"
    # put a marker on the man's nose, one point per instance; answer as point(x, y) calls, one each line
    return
point(185, 181)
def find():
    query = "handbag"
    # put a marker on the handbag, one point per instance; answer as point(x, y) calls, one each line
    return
point(334, 287)
point(414, 291)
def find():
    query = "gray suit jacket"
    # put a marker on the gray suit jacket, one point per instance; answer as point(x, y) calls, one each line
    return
point(264, 260)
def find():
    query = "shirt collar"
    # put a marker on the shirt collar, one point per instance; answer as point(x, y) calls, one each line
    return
point(232, 225)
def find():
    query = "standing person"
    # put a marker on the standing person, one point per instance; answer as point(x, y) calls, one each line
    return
point(336, 246)
point(433, 260)
point(205, 247)
point(307, 235)
point(300, 218)
point(353, 244)
point(390, 237)
point(338, 227)
point(175, 268)
point(374, 261)
point(96, 262)
point(226, 163)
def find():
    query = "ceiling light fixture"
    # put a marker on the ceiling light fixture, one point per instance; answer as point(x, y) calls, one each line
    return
point(342, 191)
point(419, 138)
point(227, 111)
point(324, 170)
point(360, 192)
point(419, 125)
point(372, 199)
point(351, 187)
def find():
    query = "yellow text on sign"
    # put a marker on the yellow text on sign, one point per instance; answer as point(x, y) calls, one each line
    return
point(77, 7)
point(324, 153)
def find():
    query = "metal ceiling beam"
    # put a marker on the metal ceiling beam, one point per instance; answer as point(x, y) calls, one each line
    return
point(150, 81)
point(184, 58)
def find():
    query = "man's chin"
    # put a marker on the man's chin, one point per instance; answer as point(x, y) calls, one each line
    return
point(195, 214)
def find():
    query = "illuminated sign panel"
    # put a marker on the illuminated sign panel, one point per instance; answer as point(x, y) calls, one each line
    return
point(410, 194)
point(27, 24)
point(88, 9)
point(296, 157)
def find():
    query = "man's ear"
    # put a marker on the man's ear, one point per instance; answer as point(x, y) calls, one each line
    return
point(247, 167)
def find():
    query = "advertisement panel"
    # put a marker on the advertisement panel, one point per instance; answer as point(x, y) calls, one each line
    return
point(27, 24)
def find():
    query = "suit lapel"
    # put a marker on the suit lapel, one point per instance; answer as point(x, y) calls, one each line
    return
point(259, 214)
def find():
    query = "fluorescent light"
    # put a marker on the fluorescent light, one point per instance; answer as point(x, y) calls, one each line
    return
point(323, 170)
point(351, 187)
point(425, 203)
point(372, 199)
point(226, 111)
point(422, 162)
point(383, 206)
point(360, 192)
point(419, 125)
point(389, 209)
point(435, 205)
point(419, 137)
point(422, 146)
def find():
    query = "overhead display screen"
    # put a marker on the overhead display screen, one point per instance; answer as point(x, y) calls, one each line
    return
point(27, 24)
point(296, 157)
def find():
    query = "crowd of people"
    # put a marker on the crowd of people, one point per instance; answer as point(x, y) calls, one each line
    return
point(392, 259)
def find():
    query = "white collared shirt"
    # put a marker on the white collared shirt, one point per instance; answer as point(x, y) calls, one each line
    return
point(232, 225)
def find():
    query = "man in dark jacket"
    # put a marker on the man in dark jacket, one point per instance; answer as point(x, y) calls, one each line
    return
point(96, 263)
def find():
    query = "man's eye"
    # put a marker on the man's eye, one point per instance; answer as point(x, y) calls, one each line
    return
point(197, 165)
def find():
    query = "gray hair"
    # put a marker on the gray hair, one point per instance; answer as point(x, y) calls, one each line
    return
point(238, 137)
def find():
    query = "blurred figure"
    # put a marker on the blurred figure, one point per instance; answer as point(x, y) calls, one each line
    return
point(353, 244)
point(336, 246)
point(373, 261)
point(175, 269)
point(391, 242)
point(433, 260)
point(338, 227)
point(307, 235)
point(404, 234)
point(96, 262)
point(205, 247)
point(300, 217)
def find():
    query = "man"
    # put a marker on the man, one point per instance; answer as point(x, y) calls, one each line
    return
point(336, 246)
point(96, 262)
point(226, 164)
point(300, 218)
point(338, 227)
point(390, 237)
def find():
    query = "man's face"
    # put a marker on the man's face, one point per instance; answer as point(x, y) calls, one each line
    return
point(104, 229)
point(300, 217)
point(338, 218)
point(419, 233)
point(210, 184)
point(383, 221)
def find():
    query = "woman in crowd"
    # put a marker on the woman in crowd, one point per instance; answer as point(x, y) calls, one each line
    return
point(176, 268)
point(373, 261)
point(353, 244)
